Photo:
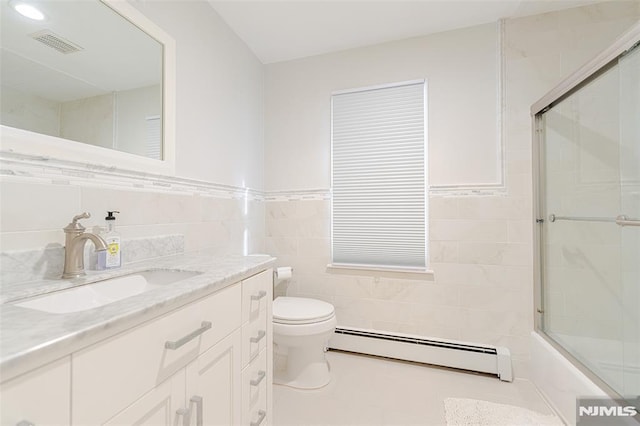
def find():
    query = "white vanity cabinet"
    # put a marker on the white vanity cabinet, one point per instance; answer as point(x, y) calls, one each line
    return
point(184, 368)
point(40, 397)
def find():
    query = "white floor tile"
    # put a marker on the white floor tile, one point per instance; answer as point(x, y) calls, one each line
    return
point(375, 391)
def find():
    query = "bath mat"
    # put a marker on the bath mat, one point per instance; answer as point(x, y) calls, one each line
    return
point(473, 412)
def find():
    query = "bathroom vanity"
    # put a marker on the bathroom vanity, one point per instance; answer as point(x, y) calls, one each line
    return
point(196, 351)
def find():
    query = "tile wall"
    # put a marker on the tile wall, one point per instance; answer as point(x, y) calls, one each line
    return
point(36, 206)
point(481, 257)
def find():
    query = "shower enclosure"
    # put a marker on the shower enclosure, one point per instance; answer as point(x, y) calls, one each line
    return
point(587, 143)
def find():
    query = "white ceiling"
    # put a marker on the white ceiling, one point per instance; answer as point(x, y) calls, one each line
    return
point(281, 30)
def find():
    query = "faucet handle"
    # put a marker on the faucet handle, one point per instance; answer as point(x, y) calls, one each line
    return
point(84, 215)
point(74, 226)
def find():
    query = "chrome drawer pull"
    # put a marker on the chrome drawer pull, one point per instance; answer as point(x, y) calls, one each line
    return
point(259, 337)
point(186, 417)
point(25, 423)
point(206, 325)
point(261, 415)
point(261, 375)
point(259, 296)
point(198, 401)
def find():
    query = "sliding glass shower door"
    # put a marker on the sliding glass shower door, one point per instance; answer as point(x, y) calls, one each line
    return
point(589, 186)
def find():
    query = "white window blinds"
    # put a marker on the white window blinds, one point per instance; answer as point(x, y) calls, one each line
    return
point(154, 137)
point(379, 177)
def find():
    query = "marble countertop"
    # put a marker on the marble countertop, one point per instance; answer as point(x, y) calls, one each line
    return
point(31, 338)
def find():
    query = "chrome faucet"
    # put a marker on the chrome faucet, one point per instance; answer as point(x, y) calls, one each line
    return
point(75, 239)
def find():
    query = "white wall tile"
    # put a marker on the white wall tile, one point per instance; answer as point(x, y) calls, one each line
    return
point(353, 286)
point(520, 231)
point(281, 210)
point(313, 209)
point(483, 275)
point(477, 208)
point(37, 206)
point(443, 251)
point(496, 253)
point(281, 246)
point(468, 230)
point(314, 247)
point(443, 208)
point(23, 240)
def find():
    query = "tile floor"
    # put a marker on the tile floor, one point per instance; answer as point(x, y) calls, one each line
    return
point(374, 391)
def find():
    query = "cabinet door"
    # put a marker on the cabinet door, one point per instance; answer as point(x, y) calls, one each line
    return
point(213, 384)
point(158, 407)
point(41, 397)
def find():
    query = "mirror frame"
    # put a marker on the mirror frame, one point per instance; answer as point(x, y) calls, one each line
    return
point(18, 141)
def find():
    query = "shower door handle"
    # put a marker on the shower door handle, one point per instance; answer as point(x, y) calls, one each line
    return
point(622, 220)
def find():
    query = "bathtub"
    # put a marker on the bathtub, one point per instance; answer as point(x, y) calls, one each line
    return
point(558, 379)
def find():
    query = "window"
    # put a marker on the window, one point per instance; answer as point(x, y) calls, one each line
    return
point(379, 212)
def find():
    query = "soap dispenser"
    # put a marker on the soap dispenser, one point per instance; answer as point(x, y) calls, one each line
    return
point(112, 257)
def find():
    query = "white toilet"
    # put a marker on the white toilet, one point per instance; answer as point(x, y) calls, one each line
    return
point(301, 329)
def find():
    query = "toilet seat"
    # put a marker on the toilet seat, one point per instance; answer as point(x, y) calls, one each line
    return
point(300, 310)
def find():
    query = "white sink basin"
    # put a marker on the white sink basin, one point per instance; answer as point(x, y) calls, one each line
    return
point(103, 292)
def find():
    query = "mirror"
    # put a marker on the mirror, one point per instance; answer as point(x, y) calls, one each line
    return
point(86, 74)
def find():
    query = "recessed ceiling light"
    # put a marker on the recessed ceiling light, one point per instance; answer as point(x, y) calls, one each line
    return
point(28, 10)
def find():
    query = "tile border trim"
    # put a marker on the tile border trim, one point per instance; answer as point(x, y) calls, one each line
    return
point(45, 169)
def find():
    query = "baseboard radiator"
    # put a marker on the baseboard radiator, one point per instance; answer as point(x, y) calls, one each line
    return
point(447, 353)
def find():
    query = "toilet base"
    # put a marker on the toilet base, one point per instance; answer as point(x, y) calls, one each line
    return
point(305, 368)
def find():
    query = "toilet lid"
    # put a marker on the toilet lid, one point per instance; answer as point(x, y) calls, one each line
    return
point(300, 310)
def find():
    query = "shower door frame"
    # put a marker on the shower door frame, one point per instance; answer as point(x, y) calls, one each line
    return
point(602, 62)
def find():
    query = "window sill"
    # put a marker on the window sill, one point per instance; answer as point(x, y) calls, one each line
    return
point(408, 273)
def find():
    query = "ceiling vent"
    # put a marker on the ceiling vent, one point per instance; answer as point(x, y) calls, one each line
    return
point(54, 41)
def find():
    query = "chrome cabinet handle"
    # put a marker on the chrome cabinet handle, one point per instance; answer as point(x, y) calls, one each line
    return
point(25, 423)
point(261, 375)
point(259, 337)
point(206, 325)
point(198, 401)
point(186, 417)
point(259, 296)
point(261, 415)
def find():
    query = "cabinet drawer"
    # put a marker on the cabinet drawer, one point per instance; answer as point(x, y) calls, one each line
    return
point(110, 375)
point(256, 294)
point(254, 390)
point(254, 337)
point(41, 396)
